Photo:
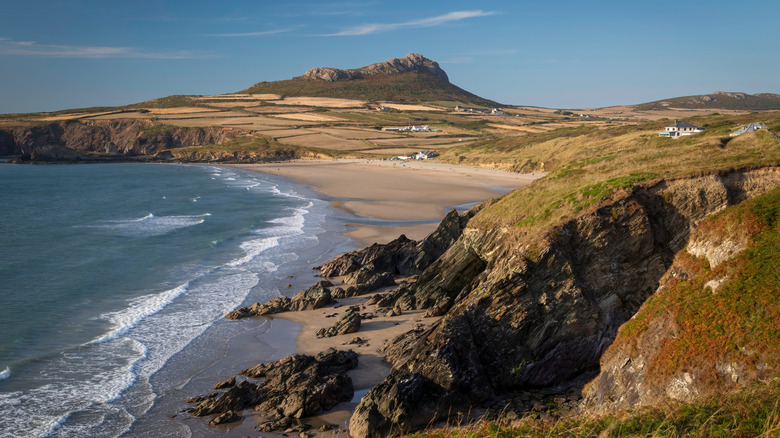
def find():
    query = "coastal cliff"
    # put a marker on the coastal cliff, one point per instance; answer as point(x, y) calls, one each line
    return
point(102, 140)
point(537, 313)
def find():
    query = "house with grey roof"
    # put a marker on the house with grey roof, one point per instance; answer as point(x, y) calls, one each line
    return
point(680, 129)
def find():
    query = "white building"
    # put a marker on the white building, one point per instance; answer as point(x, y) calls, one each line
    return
point(680, 129)
point(497, 112)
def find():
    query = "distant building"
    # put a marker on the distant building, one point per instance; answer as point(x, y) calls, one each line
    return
point(753, 127)
point(680, 129)
point(497, 112)
point(425, 155)
point(415, 128)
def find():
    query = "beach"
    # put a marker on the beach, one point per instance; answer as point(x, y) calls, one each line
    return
point(383, 199)
point(380, 200)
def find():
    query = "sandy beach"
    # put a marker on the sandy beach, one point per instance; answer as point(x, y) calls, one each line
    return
point(380, 200)
point(398, 197)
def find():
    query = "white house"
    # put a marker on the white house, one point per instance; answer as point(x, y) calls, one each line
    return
point(420, 128)
point(680, 129)
point(497, 112)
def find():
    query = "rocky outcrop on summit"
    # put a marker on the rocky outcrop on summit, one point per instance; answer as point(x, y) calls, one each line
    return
point(98, 140)
point(293, 387)
point(411, 62)
point(538, 317)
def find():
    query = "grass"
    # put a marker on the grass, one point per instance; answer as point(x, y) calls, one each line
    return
point(585, 164)
point(404, 87)
point(737, 323)
point(750, 412)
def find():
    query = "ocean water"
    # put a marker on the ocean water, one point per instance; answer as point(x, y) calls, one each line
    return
point(109, 272)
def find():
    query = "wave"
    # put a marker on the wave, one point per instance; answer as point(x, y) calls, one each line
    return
point(151, 225)
point(140, 308)
point(6, 373)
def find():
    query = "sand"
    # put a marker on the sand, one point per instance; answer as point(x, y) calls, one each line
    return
point(414, 196)
point(396, 191)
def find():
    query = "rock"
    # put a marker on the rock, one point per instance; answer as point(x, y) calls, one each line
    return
point(348, 323)
point(315, 297)
point(226, 384)
point(227, 417)
point(236, 398)
point(535, 313)
point(292, 387)
point(411, 62)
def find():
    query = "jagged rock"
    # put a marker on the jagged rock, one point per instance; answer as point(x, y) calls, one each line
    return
point(227, 417)
point(292, 387)
point(235, 399)
point(315, 297)
point(411, 62)
point(348, 323)
point(538, 320)
point(226, 384)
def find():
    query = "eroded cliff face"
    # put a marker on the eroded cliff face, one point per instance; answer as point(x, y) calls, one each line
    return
point(537, 314)
point(102, 139)
point(712, 323)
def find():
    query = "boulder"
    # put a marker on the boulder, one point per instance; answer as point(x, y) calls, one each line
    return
point(348, 323)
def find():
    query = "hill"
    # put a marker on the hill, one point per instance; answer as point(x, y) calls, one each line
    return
point(413, 78)
point(718, 100)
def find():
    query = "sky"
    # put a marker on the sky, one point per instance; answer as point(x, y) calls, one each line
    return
point(60, 54)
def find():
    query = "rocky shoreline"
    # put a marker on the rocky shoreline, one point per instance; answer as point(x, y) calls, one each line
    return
point(516, 326)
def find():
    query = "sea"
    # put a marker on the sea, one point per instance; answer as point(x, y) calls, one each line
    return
point(115, 279)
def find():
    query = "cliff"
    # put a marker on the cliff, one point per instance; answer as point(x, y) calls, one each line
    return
point(712, 324)
point(101, 140)
point(536, 313)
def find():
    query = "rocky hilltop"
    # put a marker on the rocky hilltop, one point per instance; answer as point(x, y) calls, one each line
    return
point(412, 62)
point(726, 100)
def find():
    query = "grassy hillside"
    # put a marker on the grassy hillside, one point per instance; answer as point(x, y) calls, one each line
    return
point(587, 164)
point(748, 413)
point(403, 87)
point(718, 100)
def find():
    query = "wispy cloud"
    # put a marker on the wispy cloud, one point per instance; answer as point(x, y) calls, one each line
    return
point(248, 34)
point(32, 48)
point(367, 29)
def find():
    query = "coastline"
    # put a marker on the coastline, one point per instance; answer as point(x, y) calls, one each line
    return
point(381, 200)
point(371, 200)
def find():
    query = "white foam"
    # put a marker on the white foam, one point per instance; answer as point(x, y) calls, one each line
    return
point(151, 225)
point(5, 374)
point(140, 308)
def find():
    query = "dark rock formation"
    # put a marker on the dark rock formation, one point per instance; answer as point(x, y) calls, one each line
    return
point(231, 382)
point(401, 256)
point(293, 387)
point(315, 297)
point(411, 62)
point(227, 417)
point(538, 317)
point(348, 323)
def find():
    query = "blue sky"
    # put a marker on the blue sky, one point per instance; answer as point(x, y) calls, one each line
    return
point(59, 54)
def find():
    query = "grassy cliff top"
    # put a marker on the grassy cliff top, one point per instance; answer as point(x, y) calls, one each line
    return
point(585, 165)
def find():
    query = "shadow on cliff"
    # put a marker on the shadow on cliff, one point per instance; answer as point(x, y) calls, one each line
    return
point(538, 320)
